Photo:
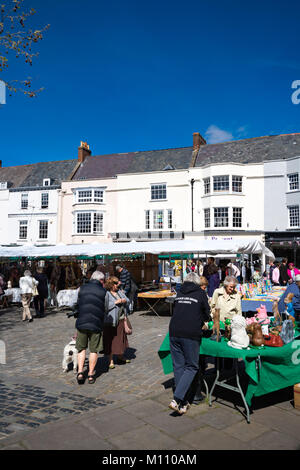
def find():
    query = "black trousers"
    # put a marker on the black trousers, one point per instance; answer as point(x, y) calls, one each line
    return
point(39, 303)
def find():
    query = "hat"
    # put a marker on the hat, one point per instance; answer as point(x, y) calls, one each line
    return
point(297, 277)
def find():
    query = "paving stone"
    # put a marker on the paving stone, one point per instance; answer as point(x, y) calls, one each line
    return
point(246, 431)
point(208, 438)
point(144, 408)
point(275, 440)
point(171, 423)
point(278, 420)
point(63, 437)
point(112, 422)
point(144, 438)
point(219, 417)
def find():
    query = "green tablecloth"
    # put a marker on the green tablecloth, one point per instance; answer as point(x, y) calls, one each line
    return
point(280, 367)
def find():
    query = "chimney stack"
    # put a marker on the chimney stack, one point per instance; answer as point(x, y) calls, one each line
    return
point(83, 151)
point(197, 141)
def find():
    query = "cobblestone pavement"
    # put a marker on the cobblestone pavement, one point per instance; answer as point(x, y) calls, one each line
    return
point(127, 408)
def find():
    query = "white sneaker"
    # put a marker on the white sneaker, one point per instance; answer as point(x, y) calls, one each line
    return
point(174, 405)
point(184, 408)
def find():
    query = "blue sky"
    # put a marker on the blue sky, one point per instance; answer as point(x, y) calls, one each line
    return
point(140, 75)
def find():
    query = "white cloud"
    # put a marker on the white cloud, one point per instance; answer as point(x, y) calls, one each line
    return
point(215, 135)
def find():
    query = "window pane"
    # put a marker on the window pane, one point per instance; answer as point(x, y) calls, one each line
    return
point(158, 219)
point(158, 191)
point(98, 195)
point(85, 196)
point(221, 183)
point(98, 223)
point(237, 184)
point(45, 200)
point(206, 218)
point(43, 232)
point(84, 222)
point(23, 229)
point(237, 217)
point(24, 201)
point(221, 217)
point(206, 185)
point(147, 220)
point(294, 216)
point(293, 181)
point(170, 218)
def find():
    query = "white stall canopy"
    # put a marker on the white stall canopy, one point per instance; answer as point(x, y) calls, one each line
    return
point(209, 247)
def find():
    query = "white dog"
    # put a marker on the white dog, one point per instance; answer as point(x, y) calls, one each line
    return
point(239, 338)
point(70, 355)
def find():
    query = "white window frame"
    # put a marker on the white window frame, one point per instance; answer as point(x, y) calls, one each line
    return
point(24, 198)
point(207, 218)
point(46, 182)
point(221, 217)
point(236, 183)
point(93, 222)
point(156, 224)
point(170, 218)
point(293, 183)
point(3, 185)
point(217, 179)
point(43, 206)
point(147, 219)
point(157, 187)
point(23, 223)
point(44, 230)
point(237, 217)
point(295, 217)
point(94, 198)
point(207, 185)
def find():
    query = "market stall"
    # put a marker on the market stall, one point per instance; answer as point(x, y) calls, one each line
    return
point(261, 293)
point(268, 368)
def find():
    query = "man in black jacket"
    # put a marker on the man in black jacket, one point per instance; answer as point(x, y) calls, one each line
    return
point(89, 324)
point(39, 300)
point(191, 311)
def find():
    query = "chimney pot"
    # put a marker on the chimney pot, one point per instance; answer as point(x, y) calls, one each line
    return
point(83, 151)
point(0, 163)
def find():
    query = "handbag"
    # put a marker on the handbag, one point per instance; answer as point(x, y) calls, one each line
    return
point(35, 292)
point(127, 326)
point(273, 340)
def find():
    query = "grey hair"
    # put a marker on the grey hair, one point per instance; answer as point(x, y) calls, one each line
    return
point(27, 273)
point(193, 277)
point(97, 275)
point(230, 280)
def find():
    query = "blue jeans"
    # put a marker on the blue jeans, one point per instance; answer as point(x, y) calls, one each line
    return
point(185, 357)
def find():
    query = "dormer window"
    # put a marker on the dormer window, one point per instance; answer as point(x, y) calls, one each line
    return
point(46, 182)
point(3, 185)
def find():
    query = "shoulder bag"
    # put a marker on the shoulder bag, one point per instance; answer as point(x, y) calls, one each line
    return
point(35, 292)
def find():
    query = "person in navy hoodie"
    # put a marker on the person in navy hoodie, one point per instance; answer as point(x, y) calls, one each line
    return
point(191, 311)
